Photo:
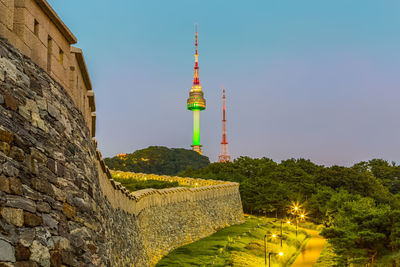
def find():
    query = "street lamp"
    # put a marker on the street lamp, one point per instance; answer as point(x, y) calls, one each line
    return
point(265, 246)
point(295, 210)
point(281, 231)
point(280, 254)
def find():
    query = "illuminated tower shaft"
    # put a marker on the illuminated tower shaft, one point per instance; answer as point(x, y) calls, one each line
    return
point(196, 102)
point(224, 156)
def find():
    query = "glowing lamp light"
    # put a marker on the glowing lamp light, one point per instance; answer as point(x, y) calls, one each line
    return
point(273, 235)
point(280, 254)
point(296, 208)
point(302, 215)
point(288, 222)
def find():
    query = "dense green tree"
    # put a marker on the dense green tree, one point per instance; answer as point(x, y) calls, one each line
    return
point(158, 160)
point(359, 206)
point(362, 230)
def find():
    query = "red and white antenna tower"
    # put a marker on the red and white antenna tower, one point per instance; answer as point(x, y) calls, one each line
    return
point(224, 156)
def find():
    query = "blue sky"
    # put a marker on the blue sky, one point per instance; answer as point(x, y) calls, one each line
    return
point(313, 79)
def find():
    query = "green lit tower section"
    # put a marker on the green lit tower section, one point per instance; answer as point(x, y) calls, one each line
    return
point(196, 102)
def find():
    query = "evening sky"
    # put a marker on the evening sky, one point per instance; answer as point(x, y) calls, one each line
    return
point(313, 79)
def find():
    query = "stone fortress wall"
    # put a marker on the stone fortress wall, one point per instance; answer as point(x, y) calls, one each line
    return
point(58, 202)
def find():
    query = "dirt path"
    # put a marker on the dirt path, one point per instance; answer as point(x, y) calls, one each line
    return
point(309, 256)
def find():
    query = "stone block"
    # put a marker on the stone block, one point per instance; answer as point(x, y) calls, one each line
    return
point(4, 184)
point(26, 236)
point(32, 219)
point(59, 194)
point(42, 186)
point(32, 106)
point(51, 165)
point(21, 203)
point(25, 113)
point(13, 216)
point(40, 254)
point(43, 207)
point(41, 102)
point(67, 258)
point(69, 210)
point(30, 193)
point(60, 169)
point(49, 222)
point(10, 102)
point(9, 69)
point(53, 111)
point(4, 147)
point(7, 251)
point(55, 258)
point(22, 253)
point(17, 153)
point(61, 243)
point(9, 169)
point(39, 156)
point(15, 186)
point(6, 136)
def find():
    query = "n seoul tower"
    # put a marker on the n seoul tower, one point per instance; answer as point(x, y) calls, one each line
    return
point(196, 102)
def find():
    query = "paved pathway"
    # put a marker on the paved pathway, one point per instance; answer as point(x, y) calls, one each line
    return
point(309, 256)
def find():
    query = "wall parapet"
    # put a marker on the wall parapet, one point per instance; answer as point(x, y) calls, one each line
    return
point(135, 202)
point(185, 181)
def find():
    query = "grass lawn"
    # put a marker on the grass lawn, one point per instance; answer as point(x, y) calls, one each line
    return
point(240, 245)
point(133, 184)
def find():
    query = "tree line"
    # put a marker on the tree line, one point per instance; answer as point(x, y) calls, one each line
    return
point(158, 160)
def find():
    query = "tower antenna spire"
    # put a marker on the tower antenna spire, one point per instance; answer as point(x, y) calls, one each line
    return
point(224, 156)
point(196, 101)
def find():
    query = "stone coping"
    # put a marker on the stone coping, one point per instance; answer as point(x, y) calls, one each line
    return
point(185, 181)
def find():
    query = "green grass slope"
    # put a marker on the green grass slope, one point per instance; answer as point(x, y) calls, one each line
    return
point(239, 245)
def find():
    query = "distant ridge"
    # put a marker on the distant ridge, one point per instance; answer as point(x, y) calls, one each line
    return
point(158, 160)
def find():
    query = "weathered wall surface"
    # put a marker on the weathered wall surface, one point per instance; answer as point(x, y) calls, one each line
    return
point(58, 205)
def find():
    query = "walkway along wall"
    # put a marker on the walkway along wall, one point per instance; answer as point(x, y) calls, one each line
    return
point(57, 202)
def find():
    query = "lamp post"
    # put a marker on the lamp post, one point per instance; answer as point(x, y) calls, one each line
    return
point(265, 247)
point(281, 231)
point(265, 250)
point(296, 211)
point(273, 253)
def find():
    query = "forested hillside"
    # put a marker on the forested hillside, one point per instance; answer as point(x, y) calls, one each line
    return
point(158, 160)
point(359, 205)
